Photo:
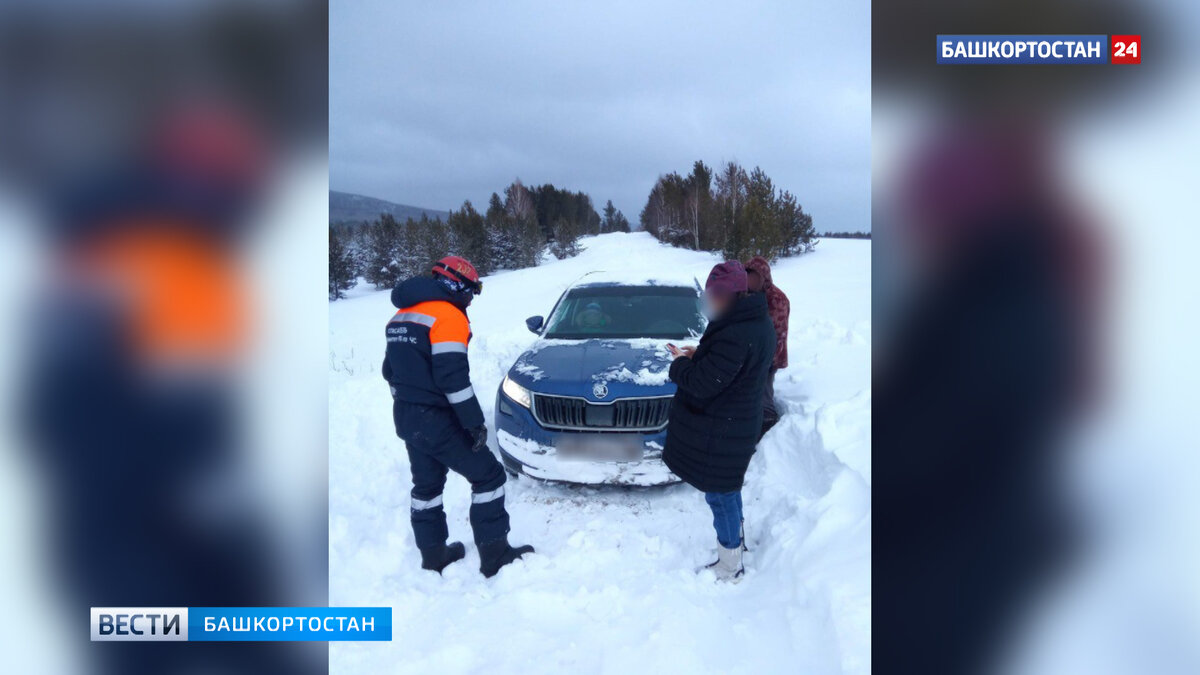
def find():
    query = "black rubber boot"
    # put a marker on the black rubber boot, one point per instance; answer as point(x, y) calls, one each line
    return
point(496, 554)
point(437, 559)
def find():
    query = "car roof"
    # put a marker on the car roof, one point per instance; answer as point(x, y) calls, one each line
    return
point(610, 279)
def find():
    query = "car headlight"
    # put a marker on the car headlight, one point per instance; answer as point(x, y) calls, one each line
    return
point(520, 395)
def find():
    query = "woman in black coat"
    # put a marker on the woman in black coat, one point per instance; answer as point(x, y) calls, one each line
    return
point(717, 413)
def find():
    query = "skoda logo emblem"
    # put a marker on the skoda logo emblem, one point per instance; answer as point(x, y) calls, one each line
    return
point(600, 390)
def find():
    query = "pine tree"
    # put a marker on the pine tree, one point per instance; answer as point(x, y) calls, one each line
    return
point(521, 216)
point(798, 226)
point(664, 215)
point(699, 216)
point(606, 222)
point(384, 264)
point(502, 244)
point(566, 236)
point(589, 215)
point(531, 243)
point(430, 240)
point(343, 271)
point(613, 220)
point(470, 237)
point(732, 193)
point(620, 223)
point(553, 206)
point(360, 244)
point(654, 212)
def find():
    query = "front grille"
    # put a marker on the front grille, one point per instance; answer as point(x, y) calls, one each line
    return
point(629, 414)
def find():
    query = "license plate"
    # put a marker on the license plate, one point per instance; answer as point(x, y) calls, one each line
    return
point(599, 447)
point(598, 415)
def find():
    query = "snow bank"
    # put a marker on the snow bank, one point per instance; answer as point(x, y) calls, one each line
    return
point(612, 588)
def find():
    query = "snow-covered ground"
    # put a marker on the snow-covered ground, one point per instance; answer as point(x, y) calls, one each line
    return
point(612, 588)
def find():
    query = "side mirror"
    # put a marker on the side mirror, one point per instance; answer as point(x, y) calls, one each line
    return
point(534, 323)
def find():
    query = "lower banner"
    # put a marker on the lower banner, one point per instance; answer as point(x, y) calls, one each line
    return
point(241, 624)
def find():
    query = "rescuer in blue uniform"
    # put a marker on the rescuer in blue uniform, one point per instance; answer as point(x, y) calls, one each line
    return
point(439, 418)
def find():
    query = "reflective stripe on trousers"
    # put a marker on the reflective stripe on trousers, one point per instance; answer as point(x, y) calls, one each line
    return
point(485, 497)
point(424, 504)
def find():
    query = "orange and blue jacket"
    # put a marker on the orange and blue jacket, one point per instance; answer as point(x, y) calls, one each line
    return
point(426, 359)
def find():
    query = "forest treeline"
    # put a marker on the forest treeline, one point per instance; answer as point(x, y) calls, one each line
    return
point(737, 213)
point(512, 233)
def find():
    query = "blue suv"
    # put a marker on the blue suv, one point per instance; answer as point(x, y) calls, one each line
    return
point(588, 402)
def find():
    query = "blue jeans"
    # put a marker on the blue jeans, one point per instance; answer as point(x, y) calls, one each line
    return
point(727, 516)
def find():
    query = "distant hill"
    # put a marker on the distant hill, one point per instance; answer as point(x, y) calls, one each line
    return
point(345, 208)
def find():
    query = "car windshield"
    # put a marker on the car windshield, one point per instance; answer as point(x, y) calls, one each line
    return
point(668, 312)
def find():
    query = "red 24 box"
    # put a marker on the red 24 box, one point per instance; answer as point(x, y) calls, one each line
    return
point(1125, 48)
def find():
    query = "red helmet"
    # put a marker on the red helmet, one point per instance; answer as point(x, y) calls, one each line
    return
point(459, 269)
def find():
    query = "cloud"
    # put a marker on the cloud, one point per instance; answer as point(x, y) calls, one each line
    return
point(434, 103)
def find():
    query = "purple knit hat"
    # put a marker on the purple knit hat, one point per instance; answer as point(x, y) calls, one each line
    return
point(727, 278)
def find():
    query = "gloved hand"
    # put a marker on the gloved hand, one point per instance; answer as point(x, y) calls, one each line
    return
point(479, 434)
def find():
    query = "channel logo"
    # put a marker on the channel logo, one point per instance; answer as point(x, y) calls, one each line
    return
point(1038, 49)
point(241, 624)
point(149, 624)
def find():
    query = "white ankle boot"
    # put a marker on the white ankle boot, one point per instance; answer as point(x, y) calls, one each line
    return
point(728, 566)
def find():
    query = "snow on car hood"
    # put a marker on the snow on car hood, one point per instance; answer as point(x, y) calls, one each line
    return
point(636, 367)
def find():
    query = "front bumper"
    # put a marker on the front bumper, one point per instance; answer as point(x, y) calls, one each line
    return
point(528, 448)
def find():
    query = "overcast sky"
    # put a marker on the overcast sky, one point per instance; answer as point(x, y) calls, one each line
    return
point(432, 103)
